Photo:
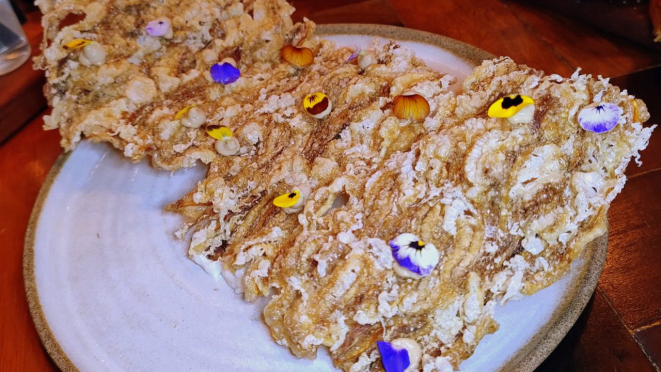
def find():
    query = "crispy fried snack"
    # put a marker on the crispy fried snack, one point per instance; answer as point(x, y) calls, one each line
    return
point(506, 205)
point(509, 207)
point(232, 208)
point(131, 96)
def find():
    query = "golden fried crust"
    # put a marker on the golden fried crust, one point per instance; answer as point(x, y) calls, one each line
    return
point(131, 99)
point(481, 189)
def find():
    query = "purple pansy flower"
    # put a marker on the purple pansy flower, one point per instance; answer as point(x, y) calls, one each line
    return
point(159, 27)
point(414, 255)
point(599, 117)
point(393, 359)
point(353, 55)
point(225, 73)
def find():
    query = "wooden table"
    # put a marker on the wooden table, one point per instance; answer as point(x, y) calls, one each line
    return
point(620, 330)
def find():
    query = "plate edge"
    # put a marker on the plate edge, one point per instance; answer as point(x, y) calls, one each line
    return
point(44, 331)
point(572, 306)
point(470, 54)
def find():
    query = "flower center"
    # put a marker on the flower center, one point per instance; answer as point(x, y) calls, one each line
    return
point(287, 200)
point(312, 98)
point(512, 102)
point(417, 244)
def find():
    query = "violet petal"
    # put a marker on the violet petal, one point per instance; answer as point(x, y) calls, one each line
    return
point(408, 264)
point(599, 118)
point(354, 55)
point(224, 73)
point(393, 360)
point(157, 27)
point(420, 260)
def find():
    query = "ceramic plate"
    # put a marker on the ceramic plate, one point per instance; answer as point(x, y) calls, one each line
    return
point(111, 289)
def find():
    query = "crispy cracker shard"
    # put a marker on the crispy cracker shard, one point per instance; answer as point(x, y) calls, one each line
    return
point(302, 199)
point(117, 71)
point(508, 205)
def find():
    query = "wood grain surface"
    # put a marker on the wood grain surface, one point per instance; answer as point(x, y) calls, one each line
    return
point(650, 339)
point(597, 342)
point(620, 330)
point(25, 160)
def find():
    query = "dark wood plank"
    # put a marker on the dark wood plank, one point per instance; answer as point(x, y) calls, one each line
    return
point(371, 11)
point(583, 46)
point(305, 8)
point(486, 24)
point(629, 19)
point(632, 273)
point(646, 85)
point(597, 342)
point(650, 339)
point(529, 35)
point(346, 11)
point(27, 157)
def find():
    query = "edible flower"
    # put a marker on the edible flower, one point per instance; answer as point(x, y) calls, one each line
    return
point(76, 44)
point(298, 57)
point(524, 116)
point(287, 200)
point(411, 107)
point(160, 27)
point(599, 117)
point(218, 132)
point(94, 54)
point(366, 59)
point(393, 359)
point(193, 117)
point(509, 106)
point(317, 105)
point(293, 201)
point(225, 72)
point(181, 113)
point(413, 258)
point(400, 355)
point(226, 144)
point(353, 55)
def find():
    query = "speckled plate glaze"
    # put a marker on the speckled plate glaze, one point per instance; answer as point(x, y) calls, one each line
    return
point(111, 289)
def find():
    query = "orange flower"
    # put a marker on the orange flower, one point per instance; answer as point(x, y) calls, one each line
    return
point(411, 107)
point(298, 57)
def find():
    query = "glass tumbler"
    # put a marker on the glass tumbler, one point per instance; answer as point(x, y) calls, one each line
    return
point(14, 47)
